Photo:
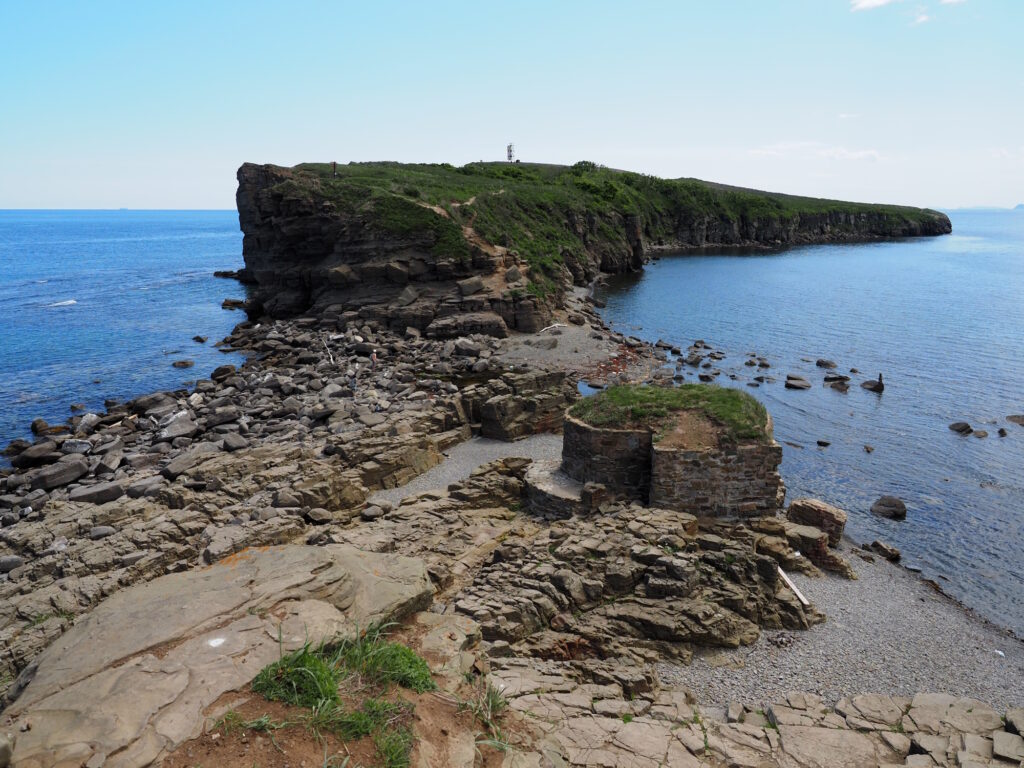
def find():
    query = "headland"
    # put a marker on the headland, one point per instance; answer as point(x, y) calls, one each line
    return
point(578, 601)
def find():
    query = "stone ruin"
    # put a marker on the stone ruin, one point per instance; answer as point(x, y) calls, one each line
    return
point(693, 467)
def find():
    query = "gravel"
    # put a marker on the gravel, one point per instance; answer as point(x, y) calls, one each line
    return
point(463, 458)
point(886, 632)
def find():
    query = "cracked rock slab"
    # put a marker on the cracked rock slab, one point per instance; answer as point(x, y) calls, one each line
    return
point(132, 680)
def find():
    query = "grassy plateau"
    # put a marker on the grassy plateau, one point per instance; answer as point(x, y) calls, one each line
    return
point(528, 207)
point(651, 407)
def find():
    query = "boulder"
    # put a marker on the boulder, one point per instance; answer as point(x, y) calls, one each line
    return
point(891, 507)
point(1017, 419)
point(822, 363)
point(831, 520)
point(100, 493)
point(223, 372)
point(797, 382)
point(471, 285)
point(464, 324)
point(63, 472)
point(75, 446)
point(99, 690)
point(179, 425)
point(961, 427)
point(887, 551)
point(101, 532)
point(9, 562)
point(234, 442)
point(40, 453)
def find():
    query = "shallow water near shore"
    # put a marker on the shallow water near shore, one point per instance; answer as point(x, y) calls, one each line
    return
point(98, 304)
point(942, 319)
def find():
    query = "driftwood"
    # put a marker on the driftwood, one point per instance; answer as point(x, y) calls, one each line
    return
point(791, 585)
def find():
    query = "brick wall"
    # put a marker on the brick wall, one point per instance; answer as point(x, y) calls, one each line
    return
point(620, 459)
point(737, 481)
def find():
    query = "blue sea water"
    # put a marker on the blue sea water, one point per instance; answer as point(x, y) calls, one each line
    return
point(942, 319)
point(98, 304)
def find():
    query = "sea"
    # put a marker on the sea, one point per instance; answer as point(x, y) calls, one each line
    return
point(97, 305)
point(942, 319)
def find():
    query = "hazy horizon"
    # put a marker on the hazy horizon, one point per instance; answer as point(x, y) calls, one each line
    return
point(886, 101)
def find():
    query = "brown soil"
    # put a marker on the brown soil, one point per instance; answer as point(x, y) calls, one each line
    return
point(692, 432)
point(437, 720)
point(290, 747)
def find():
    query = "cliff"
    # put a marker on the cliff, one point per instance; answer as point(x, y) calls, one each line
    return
point(489, 246)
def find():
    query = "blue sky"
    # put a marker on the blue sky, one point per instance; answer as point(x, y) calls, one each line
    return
point(154, 105)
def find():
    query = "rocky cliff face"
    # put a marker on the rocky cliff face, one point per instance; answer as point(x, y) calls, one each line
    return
point(838, 226)
point(406, 264)
point(323, 242)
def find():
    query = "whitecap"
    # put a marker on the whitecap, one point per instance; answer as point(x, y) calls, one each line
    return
point(68, 303)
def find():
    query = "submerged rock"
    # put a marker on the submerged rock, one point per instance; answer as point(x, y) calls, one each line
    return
point(891, 507)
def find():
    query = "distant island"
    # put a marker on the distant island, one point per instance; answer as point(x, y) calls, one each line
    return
point(325, 234)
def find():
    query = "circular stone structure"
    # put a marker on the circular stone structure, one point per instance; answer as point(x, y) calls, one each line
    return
point(708, 451)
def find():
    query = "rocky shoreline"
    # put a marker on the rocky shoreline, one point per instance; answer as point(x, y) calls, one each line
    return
point(285, 449)
point(135, 542)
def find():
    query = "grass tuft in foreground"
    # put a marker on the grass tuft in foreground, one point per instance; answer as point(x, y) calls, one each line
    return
point(647, 406)
point(373, 657)
point(303, 678)
point(310, 678)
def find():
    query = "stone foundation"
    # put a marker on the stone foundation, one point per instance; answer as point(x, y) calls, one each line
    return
point(620, 459)
point(730, 481)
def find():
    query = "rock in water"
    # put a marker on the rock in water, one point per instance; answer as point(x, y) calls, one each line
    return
point(822, 363)
point(223, 372)
point(217, 629)
point(874, 386)
point(797, 382)
point(183, 363)
point(1017, 419)
point(891, 507)
point(961, 427)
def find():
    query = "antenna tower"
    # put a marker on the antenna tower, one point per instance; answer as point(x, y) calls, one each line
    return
point(511, 152)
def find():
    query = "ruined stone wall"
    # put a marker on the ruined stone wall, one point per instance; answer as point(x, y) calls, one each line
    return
point(618, 458)
point(740, 480)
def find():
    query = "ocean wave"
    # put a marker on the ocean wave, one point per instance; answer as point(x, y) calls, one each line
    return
point(68, 303)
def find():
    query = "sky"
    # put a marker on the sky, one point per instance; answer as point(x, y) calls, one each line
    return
point(156, 104)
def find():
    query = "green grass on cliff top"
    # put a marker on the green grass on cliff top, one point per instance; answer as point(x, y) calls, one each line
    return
point(650, 407)
point(525, 206)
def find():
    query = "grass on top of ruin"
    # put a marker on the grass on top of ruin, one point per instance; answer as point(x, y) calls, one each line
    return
point(649, 406)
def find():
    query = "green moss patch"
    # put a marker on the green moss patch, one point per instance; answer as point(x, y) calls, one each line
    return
point(651, 407)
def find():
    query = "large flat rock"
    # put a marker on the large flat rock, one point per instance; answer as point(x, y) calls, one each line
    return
point(130, 681)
